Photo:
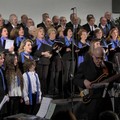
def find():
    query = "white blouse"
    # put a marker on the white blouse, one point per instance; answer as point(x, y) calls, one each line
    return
point(15, 90)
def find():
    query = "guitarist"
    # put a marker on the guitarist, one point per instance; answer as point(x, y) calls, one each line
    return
point(92, 68)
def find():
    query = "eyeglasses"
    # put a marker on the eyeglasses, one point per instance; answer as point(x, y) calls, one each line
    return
point(98, 58)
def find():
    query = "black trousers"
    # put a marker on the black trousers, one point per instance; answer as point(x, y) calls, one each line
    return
point(55, 69)
point(68, 70)
point(14, 105)
point(3, 111)
point(42, 71)
point(32, 109)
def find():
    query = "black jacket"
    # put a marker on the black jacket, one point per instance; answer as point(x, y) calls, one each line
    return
point(88, 70)
point(42, 60)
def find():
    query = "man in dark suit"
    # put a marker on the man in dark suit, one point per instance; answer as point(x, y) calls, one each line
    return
point(46, 25)
point(103, 26)
point(44, 16)
point(90, 26)
point(42, 24)
point(74, 24)
point(110, 21)
point(13, 22)
point(23, 23)
point(24, 19)
point(63, 22)
point(55, 21)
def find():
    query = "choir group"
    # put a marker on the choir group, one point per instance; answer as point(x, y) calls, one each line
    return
point(45, 57)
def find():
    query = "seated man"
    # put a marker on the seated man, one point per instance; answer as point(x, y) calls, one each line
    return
point(89, 71)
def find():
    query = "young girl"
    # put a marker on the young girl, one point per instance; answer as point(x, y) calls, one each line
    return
point(31, 89)
point(14, 82)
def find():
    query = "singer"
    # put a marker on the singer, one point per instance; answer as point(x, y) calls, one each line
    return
point(91, 69)
point(74, 24)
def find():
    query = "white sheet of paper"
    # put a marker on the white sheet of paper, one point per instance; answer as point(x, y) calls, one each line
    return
point(50, 111)
point(9, 43)
point(44, 107)
point(5, 99)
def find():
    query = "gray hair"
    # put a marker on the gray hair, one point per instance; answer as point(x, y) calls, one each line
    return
point(11, 17)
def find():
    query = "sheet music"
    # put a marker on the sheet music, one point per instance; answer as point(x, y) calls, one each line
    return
point(50, 111)
point(9, 43)
point(44, 107)
point(5, 99)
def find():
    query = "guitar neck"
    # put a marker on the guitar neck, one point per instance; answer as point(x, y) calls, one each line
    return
point(111, 79)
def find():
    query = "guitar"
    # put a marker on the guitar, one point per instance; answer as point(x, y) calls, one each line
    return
point(86, 94)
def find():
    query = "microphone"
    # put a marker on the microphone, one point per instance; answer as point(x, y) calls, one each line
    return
point(73, 8)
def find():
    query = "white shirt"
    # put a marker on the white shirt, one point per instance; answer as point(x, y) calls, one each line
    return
point(92, 28)
point(75, 26)
point(15, 90)
point(33, 85)
point(13, 26)
point(103, 26)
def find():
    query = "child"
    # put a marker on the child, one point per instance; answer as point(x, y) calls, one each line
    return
point(14, 82)
point(31, 89)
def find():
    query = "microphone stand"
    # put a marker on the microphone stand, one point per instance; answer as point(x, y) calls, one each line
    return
point(118, 63)
point(73, 65)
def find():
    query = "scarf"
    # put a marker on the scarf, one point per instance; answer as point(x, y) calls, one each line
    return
point(3, 80)
point(68, 42)
point(23, 54)
point(30, 88)
point(19, 40)
point(2, 40)
point(40, 42)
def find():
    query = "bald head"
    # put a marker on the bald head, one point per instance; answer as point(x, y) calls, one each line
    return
point(98, 56)
point(98, 52)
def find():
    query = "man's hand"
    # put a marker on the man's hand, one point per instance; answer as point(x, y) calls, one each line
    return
point(87, 84)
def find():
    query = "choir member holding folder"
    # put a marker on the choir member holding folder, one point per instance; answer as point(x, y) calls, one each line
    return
point(99, 35)
point(43, 53)
point(4, 45)
point(56, 62)
point(83, 46)
point(114, 39)
point(68, 61)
